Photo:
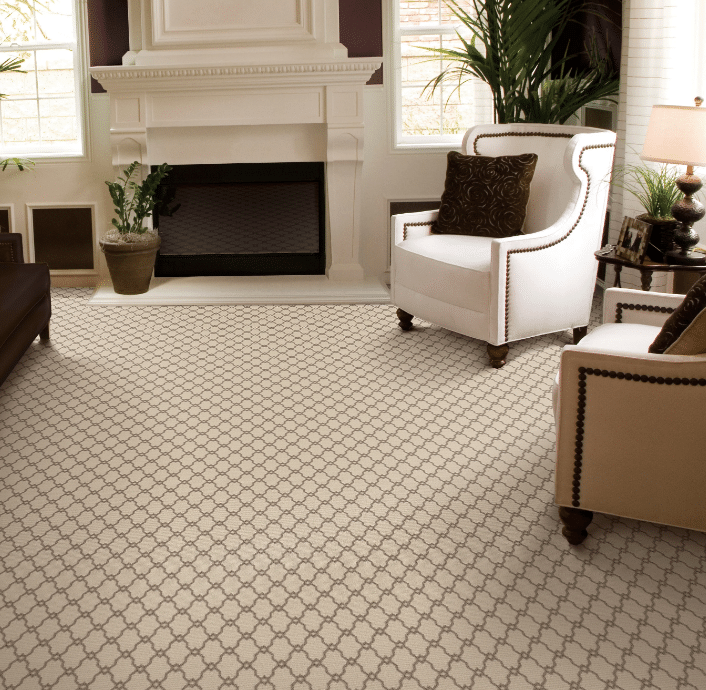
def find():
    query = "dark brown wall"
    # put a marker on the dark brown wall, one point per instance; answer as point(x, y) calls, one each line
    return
point(108, 38)
point(360, 25)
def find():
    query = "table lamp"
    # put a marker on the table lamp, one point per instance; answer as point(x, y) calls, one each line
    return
point(677, 134)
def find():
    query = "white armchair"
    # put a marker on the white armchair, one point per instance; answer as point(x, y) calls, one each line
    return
point(500, 290)
point(631, 438)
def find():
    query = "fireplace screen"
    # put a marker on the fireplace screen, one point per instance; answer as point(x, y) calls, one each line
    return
point(242, 219)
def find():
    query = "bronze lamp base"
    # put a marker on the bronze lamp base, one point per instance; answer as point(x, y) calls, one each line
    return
point(687, 211)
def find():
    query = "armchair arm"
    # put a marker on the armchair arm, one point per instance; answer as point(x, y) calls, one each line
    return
point(630, 435)
point(405, 226)
point(621, 305)
point(543, 282)
point(11, 247)
point(535, 280)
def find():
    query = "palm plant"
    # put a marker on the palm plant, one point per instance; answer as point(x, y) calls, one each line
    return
point(510, 48)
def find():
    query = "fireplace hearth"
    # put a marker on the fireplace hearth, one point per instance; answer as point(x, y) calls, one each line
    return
point(243, 219)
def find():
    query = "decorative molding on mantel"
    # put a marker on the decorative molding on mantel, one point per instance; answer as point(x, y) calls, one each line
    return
point(120, 78)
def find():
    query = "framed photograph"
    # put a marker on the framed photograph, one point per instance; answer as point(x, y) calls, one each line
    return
point(633, 240)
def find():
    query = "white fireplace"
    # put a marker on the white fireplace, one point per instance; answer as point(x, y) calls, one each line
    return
point(252, 81)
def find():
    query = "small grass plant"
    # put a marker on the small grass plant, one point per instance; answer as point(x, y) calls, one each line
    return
point(655, 188)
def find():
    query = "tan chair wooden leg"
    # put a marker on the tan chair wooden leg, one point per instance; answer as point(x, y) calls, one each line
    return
point(579, 333)
point(575, 522)
point(497, 354)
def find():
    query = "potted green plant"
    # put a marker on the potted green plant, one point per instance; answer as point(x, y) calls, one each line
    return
point(512, 47)
point(130, 248)
point(656, 190)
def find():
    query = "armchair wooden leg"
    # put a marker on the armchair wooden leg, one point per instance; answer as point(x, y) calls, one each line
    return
point(405, 319)
point(44, 333)
point(575, 522)
point(497, 354)
point(579, 333)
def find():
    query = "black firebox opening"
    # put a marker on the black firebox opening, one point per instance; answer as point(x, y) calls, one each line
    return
point(242, 219)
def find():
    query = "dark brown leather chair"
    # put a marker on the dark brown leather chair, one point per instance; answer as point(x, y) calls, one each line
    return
point(25, 302)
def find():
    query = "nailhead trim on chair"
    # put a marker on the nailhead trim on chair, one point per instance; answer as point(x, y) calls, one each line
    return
point(555, 135)
point(561, 239)
point(12, 252)
point(584, 373)
point(638, 307)
point(407, 225)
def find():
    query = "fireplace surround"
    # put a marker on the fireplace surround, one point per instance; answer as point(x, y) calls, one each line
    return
point(257, 81)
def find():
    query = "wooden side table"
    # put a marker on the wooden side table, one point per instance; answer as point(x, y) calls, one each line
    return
point(647, 268)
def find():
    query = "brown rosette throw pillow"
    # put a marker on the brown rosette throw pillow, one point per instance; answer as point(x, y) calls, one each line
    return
point(485, 196)
point(683, 332)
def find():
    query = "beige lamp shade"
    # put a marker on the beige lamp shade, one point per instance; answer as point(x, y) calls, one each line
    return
point(676, 134)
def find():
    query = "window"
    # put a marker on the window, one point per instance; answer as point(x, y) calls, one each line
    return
point(41, 115)
point(443, 118)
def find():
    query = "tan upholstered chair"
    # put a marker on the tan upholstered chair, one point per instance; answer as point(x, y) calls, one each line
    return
point(500, 290)
point(631, 437)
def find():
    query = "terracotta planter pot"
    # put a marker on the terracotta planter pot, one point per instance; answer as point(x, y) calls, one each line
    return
point(661, 237)
point(131, 264)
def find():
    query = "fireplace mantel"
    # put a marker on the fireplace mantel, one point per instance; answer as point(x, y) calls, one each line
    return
point(127, 78)
point(173, 102)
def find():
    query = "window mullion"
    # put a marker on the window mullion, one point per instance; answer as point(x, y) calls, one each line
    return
point(36, 86)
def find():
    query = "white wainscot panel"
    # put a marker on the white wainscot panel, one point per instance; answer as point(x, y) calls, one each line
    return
point(344, 105)
point(127, 111)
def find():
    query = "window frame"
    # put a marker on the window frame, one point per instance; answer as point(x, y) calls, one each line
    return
point(400, 143)
point(81, 91)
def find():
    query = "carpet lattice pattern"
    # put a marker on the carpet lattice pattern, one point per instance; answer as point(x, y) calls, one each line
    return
point(307, 498)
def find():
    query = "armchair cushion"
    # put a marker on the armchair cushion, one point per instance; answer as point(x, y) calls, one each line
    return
point(454, 269)
point(677, 324)
point(485, 196)
point(619, 338)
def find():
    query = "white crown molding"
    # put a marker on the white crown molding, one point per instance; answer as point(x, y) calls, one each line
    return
point(131, 78)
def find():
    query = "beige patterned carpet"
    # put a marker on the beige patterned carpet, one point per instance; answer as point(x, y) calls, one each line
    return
point(307, 498)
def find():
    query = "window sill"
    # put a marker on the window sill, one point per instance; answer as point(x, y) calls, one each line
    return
point(427, 147)
point(42, 158)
